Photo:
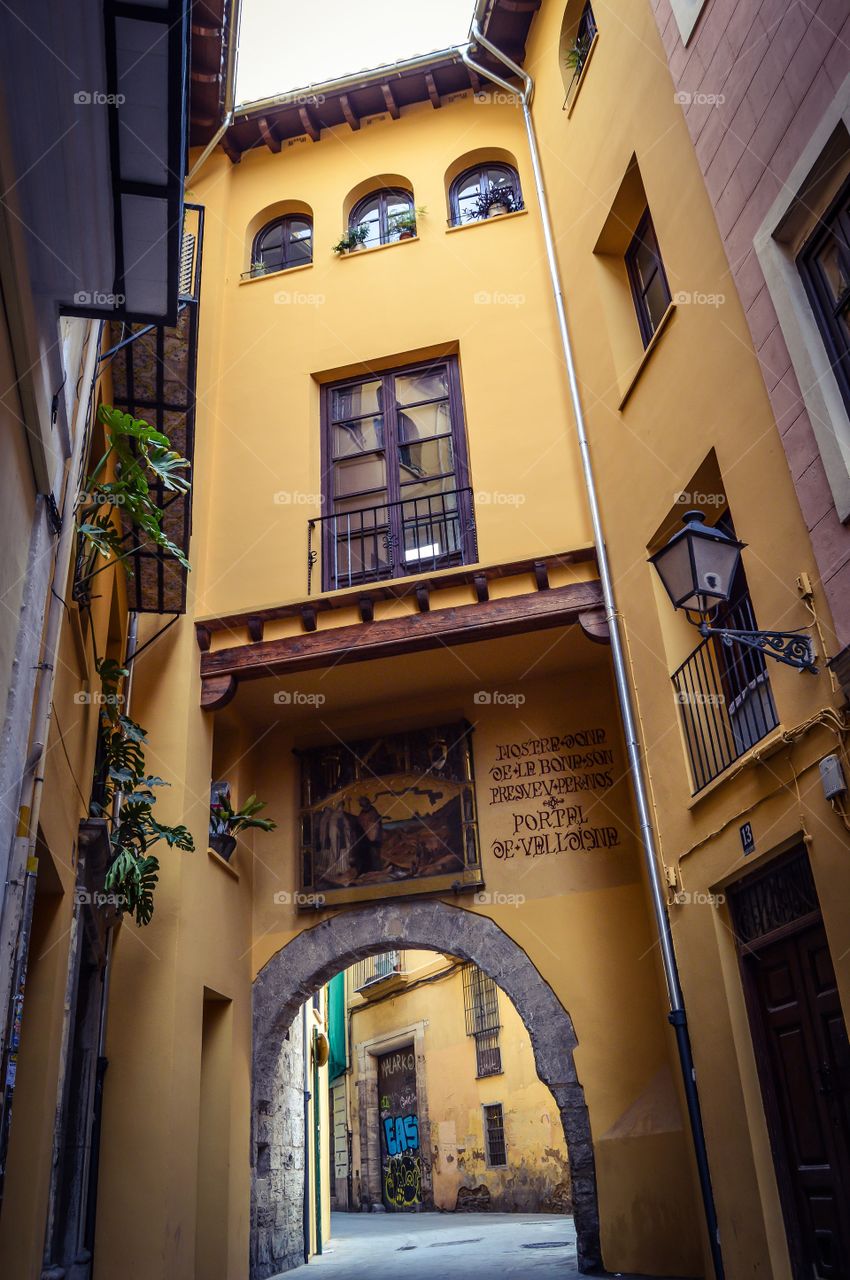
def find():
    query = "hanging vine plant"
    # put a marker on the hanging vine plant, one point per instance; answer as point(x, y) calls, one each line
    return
point(133, 871)
point(120, 496)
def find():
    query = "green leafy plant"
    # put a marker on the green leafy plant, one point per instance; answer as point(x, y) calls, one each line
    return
point(353, 238)
point(138, 457)
point(132, 872)
point(577, 55)
point(406, 223)
point(496, 196)
point(227, 821)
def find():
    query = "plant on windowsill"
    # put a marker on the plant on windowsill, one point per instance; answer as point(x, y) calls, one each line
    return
point(403, 225)
point(354, 239)
point(258, 268)
point(577, 56)
point(496, 203)
point(226, 822)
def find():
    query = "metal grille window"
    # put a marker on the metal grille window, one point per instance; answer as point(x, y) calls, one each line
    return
point(824, 265)
point(395, 477)
point(771, 900)
point(723, 691)
point(481, 1009)
point(647, 277)
point(494, 1136)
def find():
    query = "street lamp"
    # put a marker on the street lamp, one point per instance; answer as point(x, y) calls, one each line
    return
point(697, 567)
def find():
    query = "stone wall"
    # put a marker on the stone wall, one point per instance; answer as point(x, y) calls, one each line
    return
point(277, 1242)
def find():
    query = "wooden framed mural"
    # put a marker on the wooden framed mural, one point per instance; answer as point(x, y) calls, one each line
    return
point(390, 815)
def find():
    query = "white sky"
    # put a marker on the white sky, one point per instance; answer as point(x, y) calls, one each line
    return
point(289, 44)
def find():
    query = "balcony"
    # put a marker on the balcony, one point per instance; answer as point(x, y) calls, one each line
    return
point(392, 540)
point(377, 974)
point(725, 698)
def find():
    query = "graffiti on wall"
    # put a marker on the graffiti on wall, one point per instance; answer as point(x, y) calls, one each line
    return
point(401, 1160)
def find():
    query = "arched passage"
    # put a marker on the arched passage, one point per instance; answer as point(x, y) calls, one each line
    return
point(314, 956)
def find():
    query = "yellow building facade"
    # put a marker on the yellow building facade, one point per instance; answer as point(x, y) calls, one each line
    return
point(397, 636)
point(435, 1044)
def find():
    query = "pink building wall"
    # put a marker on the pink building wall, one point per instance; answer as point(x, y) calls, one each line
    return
point(777, 65)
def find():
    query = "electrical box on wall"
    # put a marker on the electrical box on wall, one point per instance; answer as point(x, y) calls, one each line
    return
point(832, 777)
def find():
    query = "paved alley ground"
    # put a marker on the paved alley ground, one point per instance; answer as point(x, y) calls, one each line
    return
point(425, 1246)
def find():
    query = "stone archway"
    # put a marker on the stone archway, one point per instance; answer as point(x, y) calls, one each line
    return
point(313, 957)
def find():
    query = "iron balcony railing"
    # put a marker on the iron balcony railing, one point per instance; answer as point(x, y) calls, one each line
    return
point(376, 969)
point(392, 539)
point(725, 699)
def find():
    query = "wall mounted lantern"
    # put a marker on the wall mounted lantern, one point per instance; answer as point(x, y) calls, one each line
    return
point(698, 567)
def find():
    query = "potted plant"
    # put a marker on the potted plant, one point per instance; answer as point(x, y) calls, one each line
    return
point(258, 267)
point(403, 225)
point(495, 203)
point(353, 239)
point(577, 55)
point(226, 822)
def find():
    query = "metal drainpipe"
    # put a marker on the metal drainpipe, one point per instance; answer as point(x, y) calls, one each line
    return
point(229, 92)
point(677, 1016)
point(18, 908)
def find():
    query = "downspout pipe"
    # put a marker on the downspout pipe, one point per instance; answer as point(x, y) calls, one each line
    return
point(678, 1015)
point(229, 92)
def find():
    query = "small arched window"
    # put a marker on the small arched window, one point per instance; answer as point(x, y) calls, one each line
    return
point(485, 192)
point(286, 242)
point(387, 215)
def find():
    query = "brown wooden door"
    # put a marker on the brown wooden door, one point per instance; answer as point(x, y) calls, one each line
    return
point(804, 1060)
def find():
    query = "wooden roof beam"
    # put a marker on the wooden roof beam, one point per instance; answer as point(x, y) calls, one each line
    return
point(267, 132)
point(311, 126)
point(348, 112)
point(392, 105)
point(433, 92)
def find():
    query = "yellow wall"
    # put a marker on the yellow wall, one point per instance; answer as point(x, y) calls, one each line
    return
point(537, 1176)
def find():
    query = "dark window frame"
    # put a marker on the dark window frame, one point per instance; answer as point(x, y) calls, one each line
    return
point(482, 170)
point(393, 488)
point(285, 246)
point(501, 1136)
point(384, 195)
point(645, 226)
point(833, 224)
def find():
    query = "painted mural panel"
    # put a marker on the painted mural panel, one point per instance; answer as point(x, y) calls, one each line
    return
point(389, 815)
point(401, 1162)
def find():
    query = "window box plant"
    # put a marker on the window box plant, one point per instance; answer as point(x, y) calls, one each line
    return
point(353, 239)
point(497, 202)
point(403, 225)
point(226, 822)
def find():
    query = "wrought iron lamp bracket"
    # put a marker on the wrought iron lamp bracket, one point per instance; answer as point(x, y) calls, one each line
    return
point(793, 648)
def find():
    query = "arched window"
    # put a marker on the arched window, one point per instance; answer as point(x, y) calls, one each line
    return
point(286, 242)
point(484, 192)
point(387, 215)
